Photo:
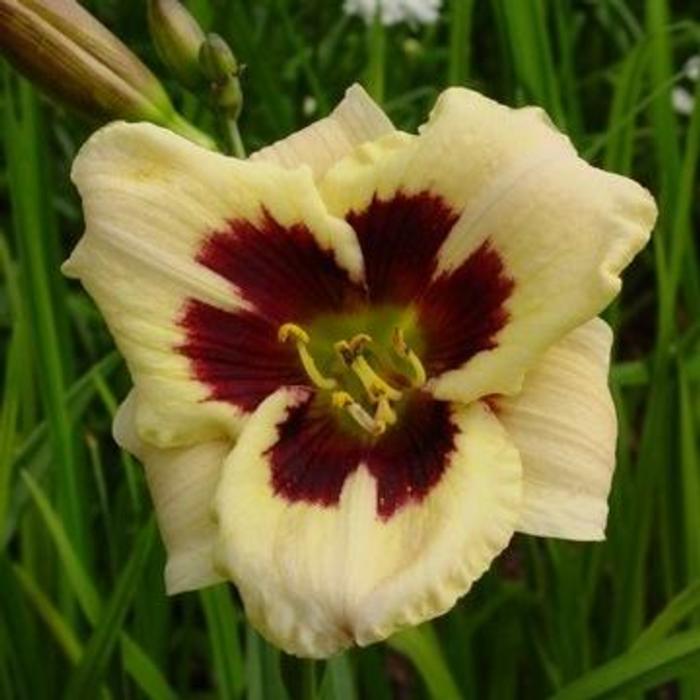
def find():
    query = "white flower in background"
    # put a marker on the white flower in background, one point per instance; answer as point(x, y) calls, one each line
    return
point(692, 68)
point(682, 101)
point(394, 11)
point(682, 98)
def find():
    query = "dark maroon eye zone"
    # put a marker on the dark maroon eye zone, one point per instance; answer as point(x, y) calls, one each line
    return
point(284, 276)
point(237, 355)
point(462, 313)
point(313, 456)
point(400, 238)
point(281, 271)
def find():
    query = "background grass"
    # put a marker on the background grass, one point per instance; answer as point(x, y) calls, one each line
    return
point(82, 608)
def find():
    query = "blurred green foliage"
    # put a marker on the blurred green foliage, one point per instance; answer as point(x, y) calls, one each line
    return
point(82, 607)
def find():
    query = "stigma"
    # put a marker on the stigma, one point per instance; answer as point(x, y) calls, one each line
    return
point(372, 409)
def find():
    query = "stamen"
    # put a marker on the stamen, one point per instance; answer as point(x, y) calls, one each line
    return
point(385, 413)
point(358, 342)
point(291, 329)
point(301, 337)
point(403, 350)
point(374, 385)
point(374, 426)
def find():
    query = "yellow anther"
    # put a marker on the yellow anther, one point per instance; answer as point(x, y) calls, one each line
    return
point(403, 350)
point(287, 330)
point(301, 337)
point(384, 412)
point(341, 399)
point(358, 342)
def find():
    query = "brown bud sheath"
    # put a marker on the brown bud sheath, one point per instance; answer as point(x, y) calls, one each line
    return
point(62, 48)
point(177, 38)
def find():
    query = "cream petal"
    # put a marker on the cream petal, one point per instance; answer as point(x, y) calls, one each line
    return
point(528, 240)
point(355, 120)
point(564, 425)
point(152, 203)
point(182, 483)
point(318, 578)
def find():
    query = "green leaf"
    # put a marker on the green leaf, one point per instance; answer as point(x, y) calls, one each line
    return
point(338, 681)
point(263, 675)
point(136, 661)
point(59, 626)
point(73, 568)
point(421, 646)
point(683, 605)
point(638, 670)
point(222, 625)
point(44, 289)
point(92, 667)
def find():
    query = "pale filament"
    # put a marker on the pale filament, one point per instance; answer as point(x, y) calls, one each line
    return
point(372, 425)
point(374, 385)
point(301, 337)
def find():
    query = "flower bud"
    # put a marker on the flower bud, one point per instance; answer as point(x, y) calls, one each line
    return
point(217, 60)
point(177, 38)
point(62, 48)
point(221, 68)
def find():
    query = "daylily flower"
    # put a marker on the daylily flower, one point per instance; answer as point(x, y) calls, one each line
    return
point(372, 356)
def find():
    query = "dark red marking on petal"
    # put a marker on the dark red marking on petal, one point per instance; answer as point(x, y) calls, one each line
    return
point(400, 238)
point(237, 354)
point(314, 456)
point(287, 277)
point(462, 312)
point(281, 270)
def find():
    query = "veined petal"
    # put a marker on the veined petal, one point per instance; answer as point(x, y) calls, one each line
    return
point(177, 236)
point(331, 568)
point(182, 483)
point(355, 120)
point(527, 240)
point(564, 425)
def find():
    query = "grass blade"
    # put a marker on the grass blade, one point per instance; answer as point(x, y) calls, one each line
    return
point(638, 670)
point(72, 567)
point(683, 605)
point(421, 646)
point(338, 680)
point(222, 626)
point(136, 662)
point(90, 672)
point(57, 624)
point(46, 314)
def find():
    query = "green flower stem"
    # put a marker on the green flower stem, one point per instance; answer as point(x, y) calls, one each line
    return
point(376, 67)
point(230, 135)
point(235, 140)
